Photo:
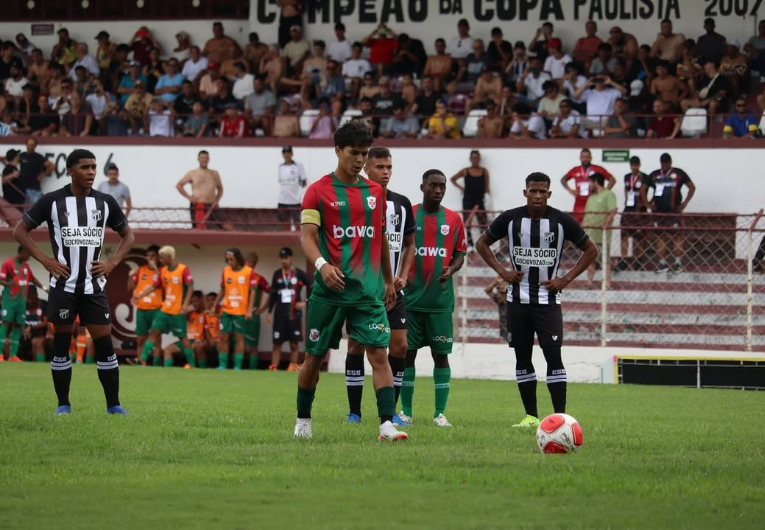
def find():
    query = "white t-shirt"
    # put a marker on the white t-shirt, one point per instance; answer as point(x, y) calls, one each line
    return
point(356, 68)
point(460, 48)
point(243, 86)
point(535, 124)
point(557, 67)
point(15, 88)
point(291, 178)
point(570, 89)
point(600, 103)
point(97, 104)
point(161, 124)
point(89, 63)
point(191, 69)
point(566, 124)
point(340, 51)
point(534, 85)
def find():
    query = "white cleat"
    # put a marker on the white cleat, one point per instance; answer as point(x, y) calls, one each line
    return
point(303, 428)
point(441, 421)
point(389, 433)
point(404, 419)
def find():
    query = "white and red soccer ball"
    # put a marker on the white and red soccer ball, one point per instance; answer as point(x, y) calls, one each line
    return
point(559, 433)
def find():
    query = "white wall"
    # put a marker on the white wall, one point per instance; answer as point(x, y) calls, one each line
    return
point(726, 181)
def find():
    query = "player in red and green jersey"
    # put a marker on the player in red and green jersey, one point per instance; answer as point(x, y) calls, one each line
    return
point(15, 276)
point(440, 246)
point(343, 234)
point(252, 327)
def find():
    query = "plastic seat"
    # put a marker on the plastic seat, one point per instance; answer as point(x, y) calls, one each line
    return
point(470, 128)
point(306, 120)
point(694, 122)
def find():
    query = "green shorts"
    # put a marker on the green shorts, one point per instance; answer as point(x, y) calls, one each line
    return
point(172, 324)
point(252, 331)
point(15, 315)
point(144, 319)
point(367, 325)
point(231, 323)
point(430, 329)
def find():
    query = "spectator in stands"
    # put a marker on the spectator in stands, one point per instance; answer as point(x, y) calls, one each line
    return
point(409, 90)
point(409, 58)
point(663, 124)
point(5, 61)
point(462, 45)
point(600, 100)
point(710, 93)
point(439, 66)
point(159, 120)
point(63, 52)
point(645, 66)
point(492, 124)
point(325, 124)
point(292, 178)
point(314, 71)
point(600, 203)
point(286, 123)
point(402, 124)
point(538, 45)
point(470, 69)
point(384, 101)
point(755, 50)
point(153, 70)
point(488, 87)
point(242, 81)
point(196, 64)
point(622, 123)
point(572, 81)
point(37, 69)
point(43, 122)
point(233, 124)
point(119, 67)
point(531, 82)
point(208, 84)
point(382, 44)
point(52, 85)
point(14, 85)
point(507, 99)
point(117, 189)
point(33, 168)
point(624, 45)
point(586, 48)
point(25, 47)
point(527, 125)
point(568, 122)
point(169, 85)
point(222, 99)
point(667, 183)
point(221, 47)
point(369, 89)
point(500, 51)
point(79, 120)
point(621, 75)
point(443, 124)
point(549, 105)
point(97, 100)
point(667, 87)
point(365, 106)
point(355, 68)
point(290, 16)
point(116, 120)
point(711, 46)
point(497, 291)
point(183, 103)
point(128, 82)
point(425, 103)
point(296, 51)
point(689, 68)
point(138, 104)
point(260, 107)
point(11, 192)
point(272, 67)
point(64, 101)
point(332, 88)
point(340, 48)
point(198, 124)
point(81, 80)
point(206, 191)
point(743, 124)
point(8, 127)
point(604, 63)
point(182, 52)
point(142, 43)
point(668, 45)
point(556, 61)
point(734, 67)
point(254, 52)
point(761, 101)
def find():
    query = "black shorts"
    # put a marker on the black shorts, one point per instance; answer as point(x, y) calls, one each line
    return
point(64, 307)
point(397, 315)
point(523, 320)
point(288, 213)
point(667, 220)
point(632, 222)
point(287, 329)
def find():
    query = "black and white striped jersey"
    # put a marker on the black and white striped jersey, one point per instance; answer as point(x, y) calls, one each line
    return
point(76, 227)
point(399, 223)
point(535, 249)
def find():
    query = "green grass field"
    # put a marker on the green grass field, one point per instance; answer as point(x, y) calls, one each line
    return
point(204, 449)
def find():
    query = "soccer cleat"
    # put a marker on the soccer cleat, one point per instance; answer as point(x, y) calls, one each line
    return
point(441, 421)
point(404, 419)
point(187, 366)
point(15, 359)
point(677, 268)
point(621, 266)
point(273, 368)
point(389, 433)
point(398, 421)
point(529, 422)
point(221, 367)
point(63, 410)
point(293, 367)
point(663, 267)
point(237, 369)
point(2, 358)
point(117, 410)
point(352, 418)
point(303, 428)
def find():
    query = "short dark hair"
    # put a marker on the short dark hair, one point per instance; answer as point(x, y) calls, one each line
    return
point(378, 152)
point(18, 250)
point(538, 177)
point(522, 108)
point(77, 155)
point(585, 150)
point(153, 248)
point(599, 178)
point(202, 152)
point(605, 47)
point(357, 44)
point(496, 31)
point(320, 43)
point(339, 26)
point(548, 24)
point(429, 173)
point(665, 157)
point(635, 160)
point(666, 21)
point(111, 167)
point(355, 133)
point(198, 293)
point(439, 39)
point(240, 65)
point(212, 293)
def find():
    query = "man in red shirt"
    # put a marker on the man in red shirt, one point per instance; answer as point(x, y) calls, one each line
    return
point(234, 124)
point(663, 124)
point(586, 48)
point(382, 44)
point(581, 176)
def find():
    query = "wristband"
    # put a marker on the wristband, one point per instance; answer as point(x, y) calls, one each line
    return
point(319, 263)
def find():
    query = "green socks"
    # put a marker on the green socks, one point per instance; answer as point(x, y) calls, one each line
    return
point(222, 360)
point(305, 402)
point(441, 378)
point(254, 360)
point(407, 390)
point(40, 357)
point(189, 354)
point(15, 336)
point(3, 334)
point(386, 402)
point(148, 347)
point(238, 361)
point(168, 362)
point(202, 363)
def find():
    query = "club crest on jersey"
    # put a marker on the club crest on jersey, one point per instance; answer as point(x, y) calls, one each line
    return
point(445, 230)
point(241, 280)
point(549, 237)
point(394, 219)
point(96, 215)
point(372, 202)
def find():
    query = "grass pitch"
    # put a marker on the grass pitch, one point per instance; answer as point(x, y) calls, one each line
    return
point(205, 449)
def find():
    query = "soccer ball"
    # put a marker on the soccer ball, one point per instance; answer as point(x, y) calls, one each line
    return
point(559, 433)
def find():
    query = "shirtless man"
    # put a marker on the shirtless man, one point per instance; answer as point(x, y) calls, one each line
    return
point(624, 45)
point(491, 125)
point(668, 46)
point(271, 65)
point(254, 52)
point(221, 47)
point(38, 67)
point(668, 87)
point(439, 66)
point(206, 191)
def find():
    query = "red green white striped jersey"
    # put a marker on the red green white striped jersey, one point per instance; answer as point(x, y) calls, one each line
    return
point(437, 239)
point(351, 220)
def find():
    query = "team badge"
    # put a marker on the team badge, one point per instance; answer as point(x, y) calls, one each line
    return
point(176, 280)
point(372, 202)
point(394, 219)
point(96, 215)
point(293, 281)
point(63, 314)
point(241, 280)
point(549, 237)
point(314, 335)
point(445, 230)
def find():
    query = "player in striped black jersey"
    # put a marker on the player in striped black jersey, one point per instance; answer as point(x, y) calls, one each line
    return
point(400, 231)
point(535, 234)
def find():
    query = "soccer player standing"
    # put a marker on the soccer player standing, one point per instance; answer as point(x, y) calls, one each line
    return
point(15, 277)
point(146, 307)
point(535, 234)
point(252, 327)
point(343, 234)
point(77, 216)
point(440, 249)
point(581, 177)
point(400, 231)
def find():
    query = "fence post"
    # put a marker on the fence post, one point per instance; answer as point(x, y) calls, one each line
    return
point(605, 274)
point(464, 283)
point(750, 281)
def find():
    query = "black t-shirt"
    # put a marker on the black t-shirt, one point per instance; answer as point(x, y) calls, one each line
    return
point(632, 187)
point(666, 188)
point(31, 166)
point(39, 122)
point(426, 105)
point(493, 51)
point(218, 104)
point(10, 193)
point(285, 291)
point(183, 105)
point(384, 104)
point(715, 85)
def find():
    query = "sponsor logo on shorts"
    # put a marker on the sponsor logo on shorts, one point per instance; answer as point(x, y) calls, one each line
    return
point(276, 335)
point(431, 252)
point(442, 338)
point(380, 327)
point(372, 202)
point(106, 315)
point(353, 231)
point(554, 337)
point(314, 335)
point(63, 314)
point(403, 321)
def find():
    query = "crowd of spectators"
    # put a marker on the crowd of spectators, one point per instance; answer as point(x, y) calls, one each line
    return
point(614, 88)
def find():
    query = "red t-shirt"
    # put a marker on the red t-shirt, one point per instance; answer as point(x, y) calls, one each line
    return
point(381, 50)
point(23, 276)
point(581, 176)
point(236, 128)
point(662, 128)
point(587, 46)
